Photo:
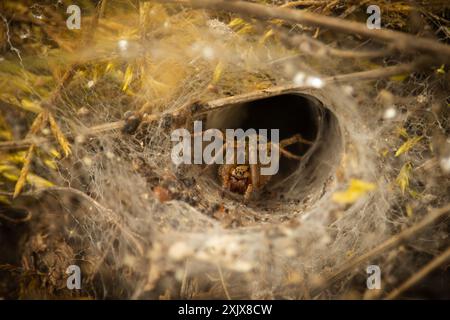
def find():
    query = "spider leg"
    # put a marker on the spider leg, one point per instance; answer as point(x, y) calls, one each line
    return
point(248, 193)
point(224, 173)
point(284, 152)
point(218, 154)
point(297, 138)
point(255, 175)
point(289, 154)
point(226, 181)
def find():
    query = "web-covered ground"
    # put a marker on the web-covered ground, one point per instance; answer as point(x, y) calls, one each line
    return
point(141, 227)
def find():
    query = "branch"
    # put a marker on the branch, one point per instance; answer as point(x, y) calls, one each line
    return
point(433, 264)
point(315, 47)
point(25, 143)
point(370, 75)
point(374, 74)
point(400, 40)
point(406, 234)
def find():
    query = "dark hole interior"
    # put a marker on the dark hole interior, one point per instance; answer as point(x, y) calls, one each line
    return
point(290, 113)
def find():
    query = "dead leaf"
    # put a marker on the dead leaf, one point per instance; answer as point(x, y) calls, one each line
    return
point(59, 136)
point(356, 190)
point(24, 171)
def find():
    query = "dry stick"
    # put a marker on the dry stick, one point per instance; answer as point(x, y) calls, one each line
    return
point(51, 101)
point(20, 144)
point(400, 40)
point(378, 73)
point(303, 3)
point(183, 289)
point(433, 264)
point(13, 220)
point(315, 47)
point(96, 204)
point(138, 245)
point(70, 73)
point(374, 74)
point(222, 281)
point(406, 234)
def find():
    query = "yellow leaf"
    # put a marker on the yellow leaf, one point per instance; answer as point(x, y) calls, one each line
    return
point(409, 210)
point(384, 152)
point(441, 70)
point(10, 176)
point(236, 22)
point(127, 78)
point(50, 163)
point(399, 78)
point(5, 135)
point(217, 72)
point(39, 122)
point(9, 172)
point(266, 36)
point(246, 29)
point(109, 67)
point(403, 177)
point(30, 106)
point(6, 167)
point(59, 136)
point(240, 24)
point(54, 153)
point(414, 194)
point(4, 200)
point(24, 172)
point(356, 190)
point(262, 85)
point(17, 157)
point(402, 132)
point(407, 145)
point(5, 130)
point(39, 182)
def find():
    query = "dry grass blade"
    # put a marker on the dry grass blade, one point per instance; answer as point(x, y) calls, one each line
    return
point(20, 144)
point(406, 234)
point(39, 122)
point(222, 281)
point(369, 75)
point(59, 136)
point(402, 41)
point(429, 267)
point(24, 171)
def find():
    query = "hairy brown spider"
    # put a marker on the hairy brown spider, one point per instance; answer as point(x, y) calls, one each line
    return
point(246, 178)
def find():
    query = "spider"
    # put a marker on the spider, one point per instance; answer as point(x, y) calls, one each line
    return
point(246, 178)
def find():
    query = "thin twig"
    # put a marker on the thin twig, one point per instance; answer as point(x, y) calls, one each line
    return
point(183, 289)
point(406, 234)
point(315, 47)
point(222, 281)
point(16, 220)
point(71, 71)
point(111, 218)
point(433, 264)
point(303, 3)
point(400, 40)
point(24, 143)
point(374, 74)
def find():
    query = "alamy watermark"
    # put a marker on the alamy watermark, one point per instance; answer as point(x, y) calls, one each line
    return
point(74, 279)
point(258, 150)
point(374, 20)
point(74, 20)
point(374, 277)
